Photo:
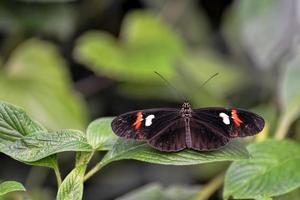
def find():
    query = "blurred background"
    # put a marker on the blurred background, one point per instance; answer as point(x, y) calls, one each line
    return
point(68, 62)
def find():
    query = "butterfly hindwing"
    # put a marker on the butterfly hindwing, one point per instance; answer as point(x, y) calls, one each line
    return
point(144, 124)
point(230, 122)
point(205, 136)
point(172, 138)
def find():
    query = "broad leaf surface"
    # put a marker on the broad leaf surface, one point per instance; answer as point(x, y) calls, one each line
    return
point(28, 78)
point(272, 170)
point(10, 186)
point(156, 191)
point(146, 45)
point(15, 124)
point(257, 29)
point(131, 149)
point(289, 94)
point(72, 187)
point(100, 135)
point(36, 146)
point(294, 195)
point(83, 158)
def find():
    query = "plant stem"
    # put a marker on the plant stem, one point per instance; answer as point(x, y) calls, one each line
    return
point(94, 170)
point(284, 124)
point(210, 187)
point(58, 176)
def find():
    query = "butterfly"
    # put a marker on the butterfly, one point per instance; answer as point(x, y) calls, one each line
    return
point(172, 130)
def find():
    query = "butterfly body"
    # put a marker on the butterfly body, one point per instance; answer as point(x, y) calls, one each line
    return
point(171, 130)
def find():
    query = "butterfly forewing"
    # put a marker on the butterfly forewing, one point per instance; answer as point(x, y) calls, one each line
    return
point(230, 122)
point(144, 124)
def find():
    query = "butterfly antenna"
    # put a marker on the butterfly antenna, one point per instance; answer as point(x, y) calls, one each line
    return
point(205, 82)
point(171, 86)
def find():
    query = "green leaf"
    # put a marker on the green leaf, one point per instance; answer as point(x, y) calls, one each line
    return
point(156, 191)
point(100, 135)
point(50, 161)
point(147, 192)
point(289, 95)
point(15, 124)
point(146, 45)
point(131, 149)
point(294, 195)
point(10, 186)
point(36, 146)
point(72, 187)
point(272, 170)
point(83, 158)
point(199, 67)
point(27, 80)
point(260, 35)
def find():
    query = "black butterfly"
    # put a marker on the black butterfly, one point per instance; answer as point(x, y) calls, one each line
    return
point(169, 129)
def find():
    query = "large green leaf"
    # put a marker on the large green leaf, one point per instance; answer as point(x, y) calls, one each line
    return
point(294, 195)
point(100, 135)
point(35, 78)
point(146, 45)
point(72, 187)
point(36, 146)
point(272, 170)
point(195, 69)
point(15, 124)
point(10, 186)
point(156, 191)
point(131, 149)
point(259, 31)
point(289, 94)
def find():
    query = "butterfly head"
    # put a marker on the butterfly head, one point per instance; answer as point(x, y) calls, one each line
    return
point(186, 109)
point(186, 105)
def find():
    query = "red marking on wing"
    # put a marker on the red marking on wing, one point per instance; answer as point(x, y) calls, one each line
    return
point(234, 134)
point(237, 121)
point(138, 122)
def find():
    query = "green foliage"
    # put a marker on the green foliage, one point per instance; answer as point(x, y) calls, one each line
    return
point(290, 95)
point(169, 41)
point(272, 170)
point(25, 140)
point(146, 45)
point(156, 191)
point(42, 144)
point(10, 186)
point(72, 186)
point(100, 135)
point(36, 75)
point(258, 30)
point(15, 124)
point(130, 149)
